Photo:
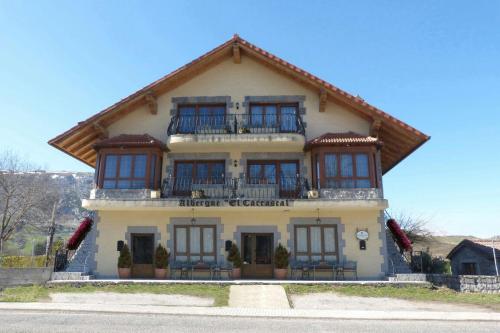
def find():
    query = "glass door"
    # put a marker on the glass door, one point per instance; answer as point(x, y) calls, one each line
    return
point(257, 255)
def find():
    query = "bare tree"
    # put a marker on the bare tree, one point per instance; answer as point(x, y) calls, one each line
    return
point(415, 227)
point(21, 191)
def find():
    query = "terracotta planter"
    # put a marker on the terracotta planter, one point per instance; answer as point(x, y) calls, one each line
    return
point(161, 273)
point(124, 273)
point(280, 273)
point(236, 273)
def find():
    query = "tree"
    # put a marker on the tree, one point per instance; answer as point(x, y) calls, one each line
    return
point(22, 190)
point(415, 227)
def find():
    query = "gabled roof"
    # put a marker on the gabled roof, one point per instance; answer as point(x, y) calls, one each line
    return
point(131, 140)
point(399, 138)
point(481, 246)
point(342, 139)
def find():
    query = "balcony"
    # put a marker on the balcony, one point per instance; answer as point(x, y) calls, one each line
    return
point(235, 188)
point(290, 193)
point(279, 133)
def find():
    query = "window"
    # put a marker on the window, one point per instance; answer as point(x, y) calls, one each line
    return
point(197, 172)
point(316, 242)
point(128, 171)
point(282, 117)
point(347, 170)
point(201, 117)
point(194, 243)
point(283, 173)
point(468, 268)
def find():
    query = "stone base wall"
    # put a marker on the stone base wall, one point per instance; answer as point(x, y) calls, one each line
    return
point(24, 276)
point(463, 283)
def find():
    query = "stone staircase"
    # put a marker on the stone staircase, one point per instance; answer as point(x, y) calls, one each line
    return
point(80, 266)
point(397, 264)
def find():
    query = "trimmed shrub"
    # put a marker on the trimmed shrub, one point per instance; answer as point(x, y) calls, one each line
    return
point(161, 257)
point(234, 256)
point(125, 259)
point(281, 256)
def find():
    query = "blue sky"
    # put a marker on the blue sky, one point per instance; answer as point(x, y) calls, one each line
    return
point(433, 64)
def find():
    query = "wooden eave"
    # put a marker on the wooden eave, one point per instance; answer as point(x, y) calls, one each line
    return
point(400, 139)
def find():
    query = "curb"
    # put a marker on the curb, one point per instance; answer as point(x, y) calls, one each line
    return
point(251, 312)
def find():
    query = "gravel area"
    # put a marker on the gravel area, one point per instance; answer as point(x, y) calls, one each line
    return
point(130, 299)
point(332, 301)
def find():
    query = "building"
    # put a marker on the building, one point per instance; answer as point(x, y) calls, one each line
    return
point(241, 146)
point(474, 257)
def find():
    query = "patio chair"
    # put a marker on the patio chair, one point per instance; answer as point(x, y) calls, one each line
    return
point(181, 266)
point(307, 268)
point(351, 267)
point(220, 268)
point(295, 268)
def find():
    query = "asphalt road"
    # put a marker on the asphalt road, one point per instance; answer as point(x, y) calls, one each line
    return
point(54, 322)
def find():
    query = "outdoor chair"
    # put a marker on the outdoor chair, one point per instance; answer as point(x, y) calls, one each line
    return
point(222, 268)
point(351, 267)
point(295, 268)
point(181, 266)
point(307, 268)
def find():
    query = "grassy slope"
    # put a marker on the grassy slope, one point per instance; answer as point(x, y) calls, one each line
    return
point(414, 293)
point(220, 293)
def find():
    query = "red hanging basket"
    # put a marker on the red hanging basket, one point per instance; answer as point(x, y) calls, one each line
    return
point(79, 234)
point(401, 238)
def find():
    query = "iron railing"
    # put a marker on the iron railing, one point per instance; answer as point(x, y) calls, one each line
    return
point(228, 188)
point(236, 124)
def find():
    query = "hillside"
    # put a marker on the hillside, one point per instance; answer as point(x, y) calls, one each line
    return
point(440, 246)
point(73, 186)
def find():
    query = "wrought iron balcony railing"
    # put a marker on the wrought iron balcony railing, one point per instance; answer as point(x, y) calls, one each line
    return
point(236, 124)
point(224, 188)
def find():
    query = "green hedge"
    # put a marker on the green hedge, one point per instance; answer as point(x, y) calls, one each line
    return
point(22, 261)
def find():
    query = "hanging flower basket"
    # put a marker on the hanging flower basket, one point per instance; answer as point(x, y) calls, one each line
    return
point(401, 238)
point(79, 234)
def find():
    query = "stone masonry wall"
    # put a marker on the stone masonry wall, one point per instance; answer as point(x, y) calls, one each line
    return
point(463, 283)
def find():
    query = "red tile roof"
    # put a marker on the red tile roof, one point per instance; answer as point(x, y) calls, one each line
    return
point(131, 140)
point(341, 139)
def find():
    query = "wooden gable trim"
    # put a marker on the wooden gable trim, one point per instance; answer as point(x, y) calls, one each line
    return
point(151, 102)
point(236, 53)
point(323, 97)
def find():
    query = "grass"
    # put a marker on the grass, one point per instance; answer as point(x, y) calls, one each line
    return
point(220, 293)
point(413, 293)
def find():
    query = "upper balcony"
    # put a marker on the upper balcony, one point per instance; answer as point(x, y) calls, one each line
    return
point(279, 132)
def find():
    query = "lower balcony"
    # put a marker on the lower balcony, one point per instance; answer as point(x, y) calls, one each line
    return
point(236, 193)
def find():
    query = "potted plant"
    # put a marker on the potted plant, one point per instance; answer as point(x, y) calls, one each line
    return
point(281, 256)
point(124, 263)
point(161, 262)
point(234, 257)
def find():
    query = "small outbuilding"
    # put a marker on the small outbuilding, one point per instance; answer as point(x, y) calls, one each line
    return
point(474, 257)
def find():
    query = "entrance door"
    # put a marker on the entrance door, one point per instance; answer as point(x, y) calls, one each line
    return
point(142, 255)
point(257, 255)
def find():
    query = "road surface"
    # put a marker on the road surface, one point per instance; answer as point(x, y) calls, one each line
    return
point(54, 322)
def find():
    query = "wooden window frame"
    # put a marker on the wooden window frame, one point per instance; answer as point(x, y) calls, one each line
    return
point(196, 162)
point(197, 107)
point(149, 152)
point(276, 163)
point(323, 253)
point(319, 154)
point(278, 111)
point(188, 254)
